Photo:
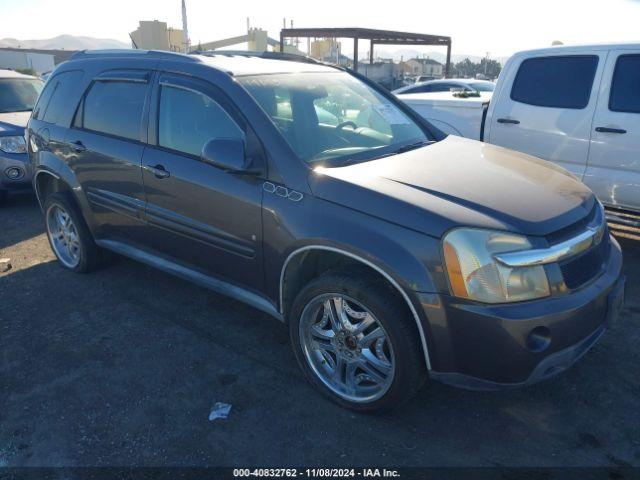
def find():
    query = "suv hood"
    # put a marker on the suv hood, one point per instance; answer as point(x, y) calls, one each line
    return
point(458, 182)
point(13, 122)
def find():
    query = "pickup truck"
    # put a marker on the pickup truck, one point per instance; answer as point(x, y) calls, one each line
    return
point(578, 107)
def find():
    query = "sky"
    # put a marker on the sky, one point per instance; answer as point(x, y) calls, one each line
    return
point(499, 27)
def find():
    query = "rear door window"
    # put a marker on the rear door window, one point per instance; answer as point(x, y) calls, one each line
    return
point(625, 86)
point(557, 82)
point(115, 107)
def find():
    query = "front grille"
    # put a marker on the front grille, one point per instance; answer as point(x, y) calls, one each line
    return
point(574, 229)
point(580, 270)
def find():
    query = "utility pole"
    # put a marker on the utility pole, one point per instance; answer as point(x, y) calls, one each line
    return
point(185, 30)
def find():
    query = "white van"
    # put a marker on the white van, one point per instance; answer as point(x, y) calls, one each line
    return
point(578, 107)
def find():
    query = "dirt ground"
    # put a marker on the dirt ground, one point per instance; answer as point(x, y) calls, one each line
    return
point(122, 366)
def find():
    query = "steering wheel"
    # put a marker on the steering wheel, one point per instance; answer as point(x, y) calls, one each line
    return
point(347, 123)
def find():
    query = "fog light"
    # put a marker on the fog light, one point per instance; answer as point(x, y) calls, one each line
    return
point(539, 339)
point(14, 173)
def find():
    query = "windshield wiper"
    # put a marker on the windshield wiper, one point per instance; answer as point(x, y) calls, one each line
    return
point(411, 146)
point(346, 161)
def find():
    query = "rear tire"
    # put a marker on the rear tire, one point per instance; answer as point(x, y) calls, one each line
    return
point(372, 360)
point(69, 236)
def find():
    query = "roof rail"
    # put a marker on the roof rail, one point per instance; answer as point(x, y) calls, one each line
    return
point(124, 52)
point(292, 57)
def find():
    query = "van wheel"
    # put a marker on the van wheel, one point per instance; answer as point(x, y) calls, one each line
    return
point(355, 341)
point(68, 234)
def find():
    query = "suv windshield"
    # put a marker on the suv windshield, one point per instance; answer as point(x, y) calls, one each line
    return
point(333, 117)
point(19, 95)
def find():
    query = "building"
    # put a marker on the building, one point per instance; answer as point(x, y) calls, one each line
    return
point(155, 35)
point(423, 66)
point(40, 61)
point(385, 72)
point(327, 49)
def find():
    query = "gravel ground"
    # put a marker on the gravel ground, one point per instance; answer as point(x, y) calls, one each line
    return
point(122, 366)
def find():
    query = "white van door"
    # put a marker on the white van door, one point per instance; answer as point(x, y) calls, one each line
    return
point(613, 171)
point(549, 108)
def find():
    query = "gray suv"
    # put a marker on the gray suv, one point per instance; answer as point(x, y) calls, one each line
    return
point(394, 254)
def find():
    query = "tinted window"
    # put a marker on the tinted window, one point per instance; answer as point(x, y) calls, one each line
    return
point(56, 96)
point(43, 99)
point(188, 120)
point(115, 107)
point(419, 89)
point(18, 94)
point(64, 96)
point(559, 82)
point(625, 87)
point(446, 87)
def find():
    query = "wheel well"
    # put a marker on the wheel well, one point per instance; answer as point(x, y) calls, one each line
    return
point(46, 184)
point(310, 263)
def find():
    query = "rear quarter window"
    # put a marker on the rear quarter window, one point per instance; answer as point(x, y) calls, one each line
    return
point(625, 86)
point(59, 97)
point(555, 82)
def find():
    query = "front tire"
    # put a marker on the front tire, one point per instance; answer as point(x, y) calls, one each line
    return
point(68, 234)
point(356, 342)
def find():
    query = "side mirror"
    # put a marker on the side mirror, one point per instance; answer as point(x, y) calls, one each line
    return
point(226, 153)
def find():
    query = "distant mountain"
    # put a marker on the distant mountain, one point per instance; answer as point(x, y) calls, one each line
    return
point(407, 53)
point(64, 42)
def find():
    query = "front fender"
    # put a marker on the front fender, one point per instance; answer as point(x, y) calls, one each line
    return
point(411, 258)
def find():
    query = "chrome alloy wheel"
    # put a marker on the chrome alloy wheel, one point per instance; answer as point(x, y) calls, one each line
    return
point(347, 347)
point(64, 236)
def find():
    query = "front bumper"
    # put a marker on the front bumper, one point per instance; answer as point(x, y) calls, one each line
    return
point(486, 347)
point(15, 160)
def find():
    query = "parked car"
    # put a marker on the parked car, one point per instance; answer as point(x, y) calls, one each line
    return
point(18, 95)
point(394, 254)
point(453, 114)
point(578, 107)
point(448, 85)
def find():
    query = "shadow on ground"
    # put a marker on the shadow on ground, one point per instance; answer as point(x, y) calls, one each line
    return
point(21, 220)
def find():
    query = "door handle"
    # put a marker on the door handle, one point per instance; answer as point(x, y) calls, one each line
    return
point(508, 120)
point(610, 130)
point(158, 170)
point(77, 146)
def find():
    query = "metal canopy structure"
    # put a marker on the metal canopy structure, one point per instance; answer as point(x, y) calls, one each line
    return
point(375, 37)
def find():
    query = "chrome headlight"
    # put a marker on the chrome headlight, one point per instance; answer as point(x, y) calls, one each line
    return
point(15, 144)
point(475, 274)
